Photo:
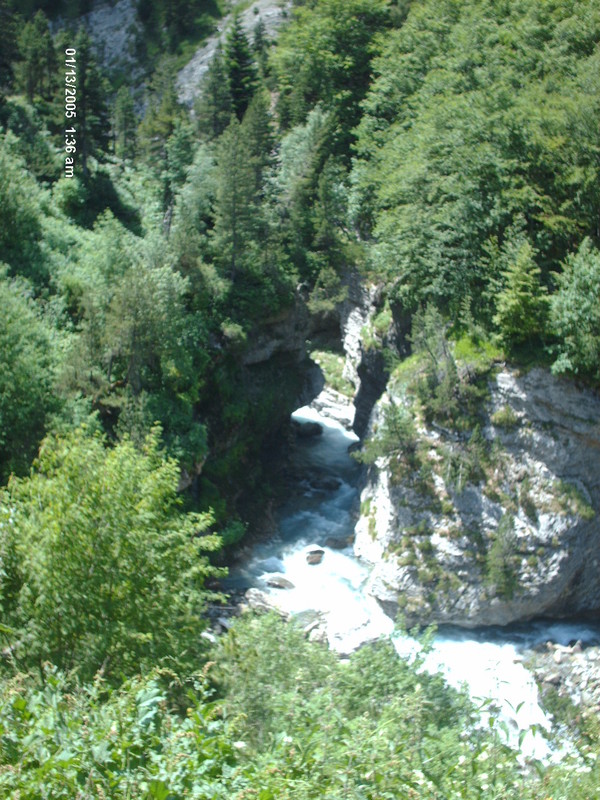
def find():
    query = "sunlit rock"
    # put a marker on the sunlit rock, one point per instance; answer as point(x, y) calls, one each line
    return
point(314, 554)
point(433, 552)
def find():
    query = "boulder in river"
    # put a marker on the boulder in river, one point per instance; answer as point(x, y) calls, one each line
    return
point(338, 542)
point(326, 483)
point(314, 554)
point(256, 600)
point(278, 581)
point(308, 430)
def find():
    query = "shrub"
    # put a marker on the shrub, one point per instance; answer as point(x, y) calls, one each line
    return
point(105, 571)
point(505, 417)
point(501, 558)
point(575, 313)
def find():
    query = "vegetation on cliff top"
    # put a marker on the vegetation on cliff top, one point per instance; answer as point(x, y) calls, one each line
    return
point(448, 151)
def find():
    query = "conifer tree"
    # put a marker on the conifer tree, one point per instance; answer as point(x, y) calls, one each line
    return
point(124, 124)
point(8, 49)
point(162, 110)
point(241, 69)
point(37, 69)
point(214, 105)
point(260, 45)
point(258, 136)
point(92, 122)
point(235, 206)
point(522, 306)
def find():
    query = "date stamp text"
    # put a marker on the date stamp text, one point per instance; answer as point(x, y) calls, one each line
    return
point(70, 110)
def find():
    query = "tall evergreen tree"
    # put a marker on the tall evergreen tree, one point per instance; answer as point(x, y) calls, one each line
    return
point(235, 206)
point(179, 18)
point(522, 306)
point(36, 72)
point(260, 45)
point(124, 124)
point(8, 48)
point(214, 105)
point(258, 136)
point(92, 121)
point(241, 69)
point(162, 110)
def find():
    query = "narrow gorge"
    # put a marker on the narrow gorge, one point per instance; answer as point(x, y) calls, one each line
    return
point(354, 547)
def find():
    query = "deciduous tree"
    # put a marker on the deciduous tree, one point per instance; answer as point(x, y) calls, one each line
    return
point(104, 570)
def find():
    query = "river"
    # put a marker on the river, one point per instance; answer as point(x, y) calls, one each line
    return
point(321, 514)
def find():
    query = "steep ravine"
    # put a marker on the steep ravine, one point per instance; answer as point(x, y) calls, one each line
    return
point(306, 569)
point(546, 435)
point(433, 555)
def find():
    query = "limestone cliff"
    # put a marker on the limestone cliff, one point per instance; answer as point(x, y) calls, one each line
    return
point(512, 538)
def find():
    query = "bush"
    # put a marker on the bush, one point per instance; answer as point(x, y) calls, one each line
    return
point(26, 377)
point(102, 571)
point(505, 417)
point(394, 439)
point(502, 559)
point(575, 313)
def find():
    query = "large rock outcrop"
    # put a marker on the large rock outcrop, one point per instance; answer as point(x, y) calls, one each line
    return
point(368, 329)
point(520, 540)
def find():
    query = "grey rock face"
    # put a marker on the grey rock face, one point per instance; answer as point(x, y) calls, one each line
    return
point(573, 672)
point(190, 78)
point(113, 29)
point(364, 367)
point(336, 406)
point(282, 333)
point(432, 555)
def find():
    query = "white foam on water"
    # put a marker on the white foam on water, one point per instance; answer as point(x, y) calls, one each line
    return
point(493, 672)
point(333, 589)
point(487, 663)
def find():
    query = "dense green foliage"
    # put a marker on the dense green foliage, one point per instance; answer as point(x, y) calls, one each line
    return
point(576, 312)
point(100, 570)
point(480, 119)
point(26, 375)
point(448, 152)
point(288, 721)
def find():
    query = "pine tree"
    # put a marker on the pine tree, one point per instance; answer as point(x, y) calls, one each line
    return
point(522, 306)
point(8, 49)
point(37, 69)
point(92, 122)
point(162, 110)
point(235, 207)
point(260, 45)
point(214, 105)
point(179, 18)
point(241, 69)
point(180, 153)
point(124, 124)
point(258, 135)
